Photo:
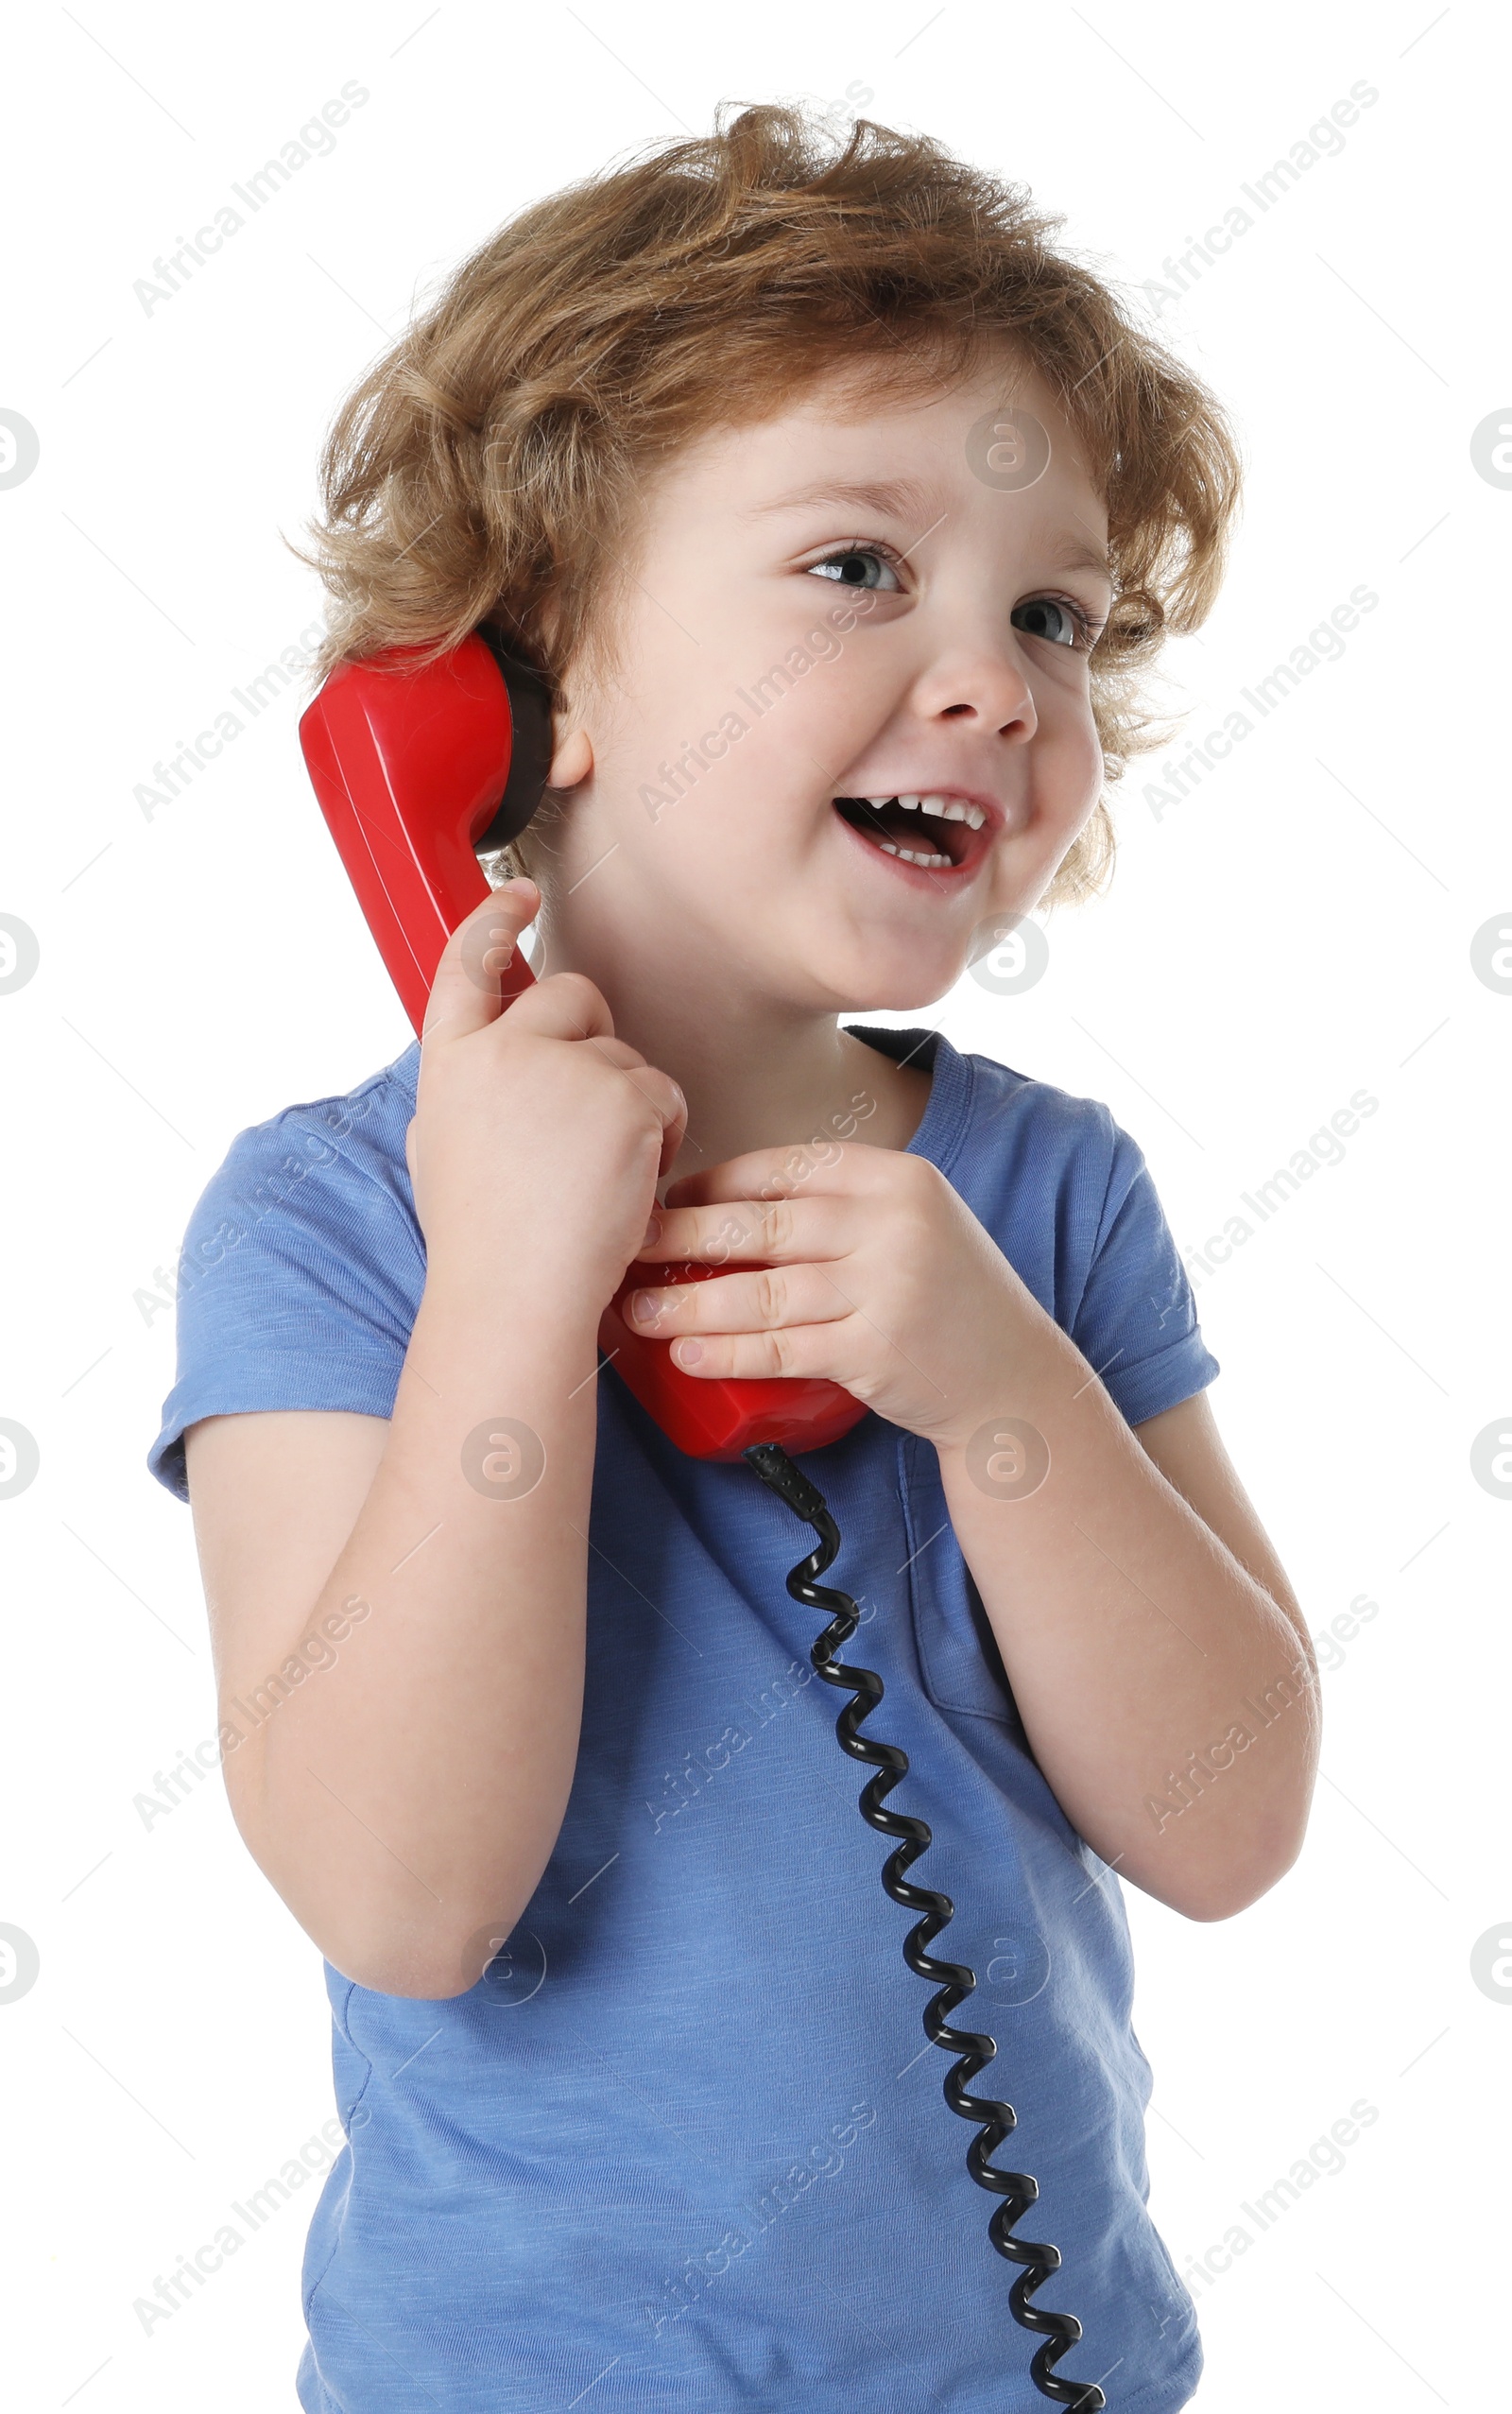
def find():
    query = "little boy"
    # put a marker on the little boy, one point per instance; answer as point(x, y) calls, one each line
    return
point(842, 513)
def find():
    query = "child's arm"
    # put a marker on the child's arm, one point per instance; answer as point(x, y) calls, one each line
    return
point(1157, 1655)
point(1141, 1615)
point(406, 1794)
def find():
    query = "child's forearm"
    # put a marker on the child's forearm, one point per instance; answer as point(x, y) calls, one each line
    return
point(406, 1800)
point(1170, 1702)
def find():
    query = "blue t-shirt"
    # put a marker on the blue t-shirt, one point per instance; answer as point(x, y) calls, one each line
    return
point(684, 2146)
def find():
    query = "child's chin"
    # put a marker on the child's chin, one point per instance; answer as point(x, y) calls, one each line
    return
point(895, 982)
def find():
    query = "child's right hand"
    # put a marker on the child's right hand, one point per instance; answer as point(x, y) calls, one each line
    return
point(538, 1137)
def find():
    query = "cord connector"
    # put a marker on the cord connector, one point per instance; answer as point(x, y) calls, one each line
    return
point(776, 1468)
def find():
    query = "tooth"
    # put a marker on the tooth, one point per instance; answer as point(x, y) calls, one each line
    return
point(911, 803)
point(881, 799)
point(975, 816)
point(953, 811)
point(908, 855)
point(935, 804)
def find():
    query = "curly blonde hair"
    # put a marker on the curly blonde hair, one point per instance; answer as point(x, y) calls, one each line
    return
point(487, 468)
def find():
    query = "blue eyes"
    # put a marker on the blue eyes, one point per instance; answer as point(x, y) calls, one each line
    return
point(840, 565)
point(1068, 626)
point(1054, 618)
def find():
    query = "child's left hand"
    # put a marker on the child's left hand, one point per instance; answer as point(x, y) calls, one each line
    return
point(880, 1278)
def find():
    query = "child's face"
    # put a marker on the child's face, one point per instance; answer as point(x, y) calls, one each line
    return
point(963, 678)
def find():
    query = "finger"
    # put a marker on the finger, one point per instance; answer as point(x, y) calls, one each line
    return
point(565, 1005)
point(465, 992)
point(667, 1102)
point(822, 1167)
point(819, 1351)
point(674, 1112)
point(568, 1005)
point(732, 1303)
point(754, 1232)
point(617, 1052)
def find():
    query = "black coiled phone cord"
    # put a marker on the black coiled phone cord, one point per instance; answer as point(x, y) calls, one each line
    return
point(1059, 2333)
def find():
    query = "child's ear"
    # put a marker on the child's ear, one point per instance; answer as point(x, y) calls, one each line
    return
point(573, 749)
point(572, 761)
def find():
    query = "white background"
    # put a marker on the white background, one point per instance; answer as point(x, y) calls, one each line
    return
point(1296, 929)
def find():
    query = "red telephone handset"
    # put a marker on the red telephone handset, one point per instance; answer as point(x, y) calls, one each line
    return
point(416, 769)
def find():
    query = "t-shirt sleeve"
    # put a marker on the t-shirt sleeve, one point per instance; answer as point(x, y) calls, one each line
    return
point(1136, 1324)
point(298, 1282)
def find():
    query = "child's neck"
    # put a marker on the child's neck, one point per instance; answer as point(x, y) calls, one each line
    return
point(753, 1078)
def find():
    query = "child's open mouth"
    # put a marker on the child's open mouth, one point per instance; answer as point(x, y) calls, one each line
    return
point(935, 833)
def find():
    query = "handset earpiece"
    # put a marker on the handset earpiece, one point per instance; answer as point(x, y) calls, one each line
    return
point(530, 751)
point(417, 766)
